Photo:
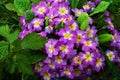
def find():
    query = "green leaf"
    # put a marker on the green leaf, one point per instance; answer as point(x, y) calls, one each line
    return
point(35, 1)
point(33, 41)
point(23, 64)
point(100, 8)
point(3, 50)
point(46, 21)
point(104, 38)
point(10, 7)
point(61, 25)
point(13, 36)
point(22, 6)
point(4, 31)
point(29, 15)
point(81, 3)
point(83, 21)
point(73, 3)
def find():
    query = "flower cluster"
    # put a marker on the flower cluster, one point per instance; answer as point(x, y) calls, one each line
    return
point(72, 53)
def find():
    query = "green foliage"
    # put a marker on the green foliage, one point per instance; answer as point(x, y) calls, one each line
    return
point(100, 8)
point(10, 7)
point(104, 38)
point(3, 50)
point(29, 15)
point(22, 6)
point(46, 21)
point(33, 41)
point(61, 25)
point(35, 1)
point(83, 21)
point(77, 3)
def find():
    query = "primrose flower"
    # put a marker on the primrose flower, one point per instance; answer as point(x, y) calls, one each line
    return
point(37, 24)
point(41, 9)
point(77, 11)
point(112, 55)
point(67, 71)
point(73, 26)
point(63, 9)
point(88, 58)
point(65, 47)
point(66, 35)
point(51, 47)
point(99, 63)
point(38, 67)
point(91, 31)
point(88, 45)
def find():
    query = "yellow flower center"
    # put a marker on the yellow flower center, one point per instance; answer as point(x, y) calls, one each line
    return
point(98, 63)
point(77, 60)
point(38, 67)
point(88, 57)
point(62, 11)
point(67, 71)
point(73, 26)
point(89, 32)
point(37, 23)
point(51, 48)
point(41, 10)
point(111, 24)
point(77, 13)
point(58, 59)
point(78, 38)
point(64, 48)
point(115, 37)
point(88, 43)
point(51, 64)
point(110, 56)
point(67, 35)
point(46, 75)
point(85, 6)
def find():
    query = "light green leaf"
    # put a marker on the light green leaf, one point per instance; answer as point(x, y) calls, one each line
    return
point(35, 1)
point(22, 6)
point(83, 21)
point(3, 50)
point(29, 15)
point(104, 38)
point(61, 25)
point(10, 7)
point(33, 41)
point(46, 21)
point(13, 36)
point(100, 8)
point(4, 31)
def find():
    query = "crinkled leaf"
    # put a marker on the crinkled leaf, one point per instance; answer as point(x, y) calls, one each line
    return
point(13, 36)
point(29, 15)
point(4, 31)
point(104, 38)
point(83, 21)
point(10, 7)
point(3, 50)
point(100, 8)
point(23, 64)
point(33, 41)
point(22, 6)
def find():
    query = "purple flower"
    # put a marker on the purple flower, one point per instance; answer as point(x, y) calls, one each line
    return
point(38, 67)
point(91, 31)
point(65, 47)
point(51, 47)
point(67, 71)
point(77, 12)
point(110, 24)
point(37, 24)
point(48, 29)
point(41, 9)
point(99, 63)
point(88, 45)
point(63, 9)
point(23, 34)
point(112, 55)
point(66, 35)
point(73, 26)
point(88, 58)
